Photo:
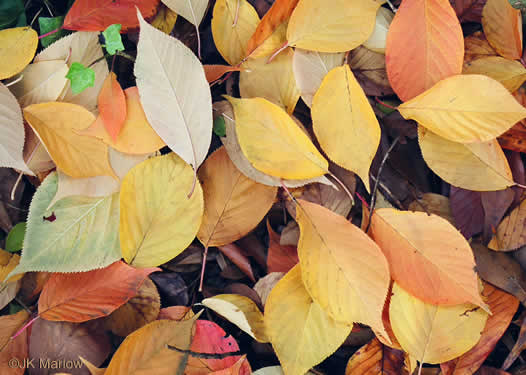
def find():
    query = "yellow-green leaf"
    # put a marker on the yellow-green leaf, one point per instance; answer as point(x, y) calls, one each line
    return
point(336, 27)
point(76, 155)
point(18, 49)
point(344, 122)
point(465, 108)
point(480, 166)
point(233, 23)
point(241, 311)
point(157, 219)
point(301, 332)
point(433, 333)
point(273, 143)
point(344, 270)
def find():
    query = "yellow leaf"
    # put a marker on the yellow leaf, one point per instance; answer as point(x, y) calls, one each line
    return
point(336, 27)
point(157, 219)
point(230, 208)
point(147, 349)
point(310, 67)
point(344, 271)
point(76, 155)
point(18, 49)
point(165, 19)
point(344, 122)
point(8, 262)
point(94, 370)
point(136, 135)
point(301, 332)
point(231, 143)
point(427, 256)
point(508, 72)
point(273, 81)
point(42, 82)
point(452, 110)
point(431, 333)
point(241, 311)
point(273, 143)
point(480, 166)
point(233, 23)
point(277, 39)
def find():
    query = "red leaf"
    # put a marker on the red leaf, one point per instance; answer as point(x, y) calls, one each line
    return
point(418, 55)
point(112, 106)
point(82, 296)
point(280, 258)
point(97, 15)
point(211, 339)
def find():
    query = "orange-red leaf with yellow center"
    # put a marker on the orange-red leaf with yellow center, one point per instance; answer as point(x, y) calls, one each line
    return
point(112, 106)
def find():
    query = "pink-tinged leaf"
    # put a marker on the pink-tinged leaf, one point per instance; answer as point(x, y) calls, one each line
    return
point(424, 45)
point(112, 106)
point(212, 339)
point(97, 15)
point(467, 210)
point(82, 296)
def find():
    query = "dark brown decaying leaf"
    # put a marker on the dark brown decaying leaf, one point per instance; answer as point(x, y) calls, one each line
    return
point(244, 290)
point(495, 204)
point(468, 10)
point(369, 69)
point(281, 258)
point(519, 346)
point(238, 257)
point(63, 341)
point(466, 206)
point(171, 287)
point(376, 358)
point(501, 270)
point(477, 46)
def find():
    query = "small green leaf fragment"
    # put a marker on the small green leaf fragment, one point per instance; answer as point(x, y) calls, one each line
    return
point(14, 308)
point(10, 11)
point(15, 238)
point(48, 24)
point(219, 126)
point(81, 77)
point(113, 39)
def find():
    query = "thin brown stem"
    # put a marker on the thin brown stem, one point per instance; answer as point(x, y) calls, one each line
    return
point(203, 266)
point(347, 191)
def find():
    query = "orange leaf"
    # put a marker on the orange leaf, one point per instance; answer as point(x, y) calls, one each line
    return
point(276, 15)
point(502, 25)
point(78, 297)
point(280, 258)
point(214, 72)
point(476, 46)
point(375, 358)
point(427, 256)
point(112, 105)
point(16, 348)
point(212, 339)
point(418, 55)
point(97, 15)
point(503, 307)
point(237, 368)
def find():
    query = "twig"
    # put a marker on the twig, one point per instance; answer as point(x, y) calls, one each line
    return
point(384, 104)
point(34, 18)
point(393, 8)
point(236, 16)
point(375, 189)
point(389, 193)
point(343, 186)
point(15, 81)
point(203, 269)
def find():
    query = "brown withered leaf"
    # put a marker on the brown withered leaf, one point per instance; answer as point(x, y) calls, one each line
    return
point(375, 358)
point(238, 257)
point(503, 306)
point(369, 69)
point(515, 138)
point(495, 204)
point(172, 287)
point(477, 46)
point(327, 196)
point(281, 258)
point(511, 232)
point(519, 346)
point(501, 270)
point(433, 204)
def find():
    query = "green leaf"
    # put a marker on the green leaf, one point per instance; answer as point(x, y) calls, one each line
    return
point(81, 77)
point(76, 234)
point(14, 308)
point(15, 238)
point(220, 126)
point(48, 24)
point(112, 38)
point(10, 11)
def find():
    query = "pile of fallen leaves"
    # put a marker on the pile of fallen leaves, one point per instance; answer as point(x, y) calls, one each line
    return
point(326, 183)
